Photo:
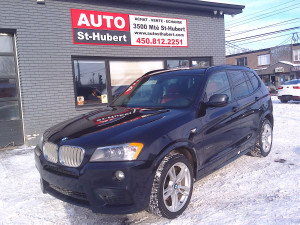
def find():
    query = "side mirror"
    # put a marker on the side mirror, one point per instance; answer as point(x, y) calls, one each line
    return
point(217, 100)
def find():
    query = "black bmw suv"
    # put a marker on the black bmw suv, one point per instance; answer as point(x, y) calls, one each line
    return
point(146, 149)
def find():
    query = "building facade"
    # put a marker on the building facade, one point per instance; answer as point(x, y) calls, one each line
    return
point(59, 59)
point(274, 65)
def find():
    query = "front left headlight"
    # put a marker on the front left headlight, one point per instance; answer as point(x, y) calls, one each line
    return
point(125, 152)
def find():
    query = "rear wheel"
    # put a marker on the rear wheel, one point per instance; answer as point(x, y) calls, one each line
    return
point(172, 186)
point(264, 141)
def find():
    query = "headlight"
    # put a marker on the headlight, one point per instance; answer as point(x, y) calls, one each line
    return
point(41, 141)
point(125, 152)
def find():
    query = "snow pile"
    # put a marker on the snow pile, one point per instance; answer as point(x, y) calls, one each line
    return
point(247, 191)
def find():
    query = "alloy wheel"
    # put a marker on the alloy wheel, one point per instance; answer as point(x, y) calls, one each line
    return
point(266, 137)
point(177, 187)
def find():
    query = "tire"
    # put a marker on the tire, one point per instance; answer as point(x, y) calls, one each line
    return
point(264, 141)
point(283, 101)
point(164, 184)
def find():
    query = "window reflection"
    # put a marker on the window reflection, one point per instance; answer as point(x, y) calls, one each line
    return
point(7, 66)
point(202, 63)
point(9, 111)
point(8, 88)
point(6, 43)
point(177, 63)
point(123, 73)
point(90, 79)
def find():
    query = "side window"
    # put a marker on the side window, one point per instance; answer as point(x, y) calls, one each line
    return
point(241, 90)
point(253, 79)
point(240, 84)
point(236, 76)
point(218, 84)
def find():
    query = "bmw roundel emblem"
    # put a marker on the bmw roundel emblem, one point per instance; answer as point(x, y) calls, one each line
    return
point(64, 139)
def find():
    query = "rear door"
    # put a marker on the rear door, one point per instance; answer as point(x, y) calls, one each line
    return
point(245, 86)
point(219, 125)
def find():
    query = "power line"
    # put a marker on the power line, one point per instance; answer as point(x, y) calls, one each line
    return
point(264, 34)
point(271, 25)
point(265, 39)
point(236, 46)
point(284, 42)
point(281, 11)
point(265, 10)
point(261, 15)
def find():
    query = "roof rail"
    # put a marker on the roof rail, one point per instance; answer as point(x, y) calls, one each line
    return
point(153, 72)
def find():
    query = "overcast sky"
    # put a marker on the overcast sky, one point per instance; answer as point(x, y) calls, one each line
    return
point(260, 13)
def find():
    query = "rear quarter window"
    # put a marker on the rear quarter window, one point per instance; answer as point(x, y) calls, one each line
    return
point(241, 90)
point(253, 79)
point(240, 83)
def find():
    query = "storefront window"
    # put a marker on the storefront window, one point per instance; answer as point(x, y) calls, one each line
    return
point(177, 63)
point(94, 85)
point(9, 111)
point(123, 73)
point(201, 63)
point(7, 65)
point(266, 78)
point(8, 88)
point(90, 79)
point(6, 43)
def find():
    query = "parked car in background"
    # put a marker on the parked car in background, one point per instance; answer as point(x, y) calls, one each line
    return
point(166, 130)
point(289, 90)
point(271, 87)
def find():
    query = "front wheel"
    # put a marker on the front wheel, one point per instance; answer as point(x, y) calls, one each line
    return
point(263, 144)
point(172, 186)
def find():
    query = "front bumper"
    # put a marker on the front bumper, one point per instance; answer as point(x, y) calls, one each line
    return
point(93, 185)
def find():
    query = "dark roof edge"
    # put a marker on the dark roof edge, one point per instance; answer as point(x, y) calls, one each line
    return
point(259, 50)
point(230, 9)
point(245, 53)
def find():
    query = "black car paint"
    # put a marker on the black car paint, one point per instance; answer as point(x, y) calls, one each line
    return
point(212, 137)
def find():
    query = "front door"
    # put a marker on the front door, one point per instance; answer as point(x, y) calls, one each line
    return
point(11, 128)
point(219, 125)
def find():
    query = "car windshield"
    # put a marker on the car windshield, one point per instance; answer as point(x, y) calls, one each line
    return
point(292, 82)
point(169, 90)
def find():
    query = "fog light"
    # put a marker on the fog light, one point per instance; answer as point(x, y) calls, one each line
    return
point(119, 175)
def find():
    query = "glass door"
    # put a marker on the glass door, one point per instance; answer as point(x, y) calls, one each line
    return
point(11, 128)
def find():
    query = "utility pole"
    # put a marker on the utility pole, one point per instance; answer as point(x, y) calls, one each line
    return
point(295, 38)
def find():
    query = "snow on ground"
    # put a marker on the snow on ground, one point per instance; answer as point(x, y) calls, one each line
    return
point(247, 191)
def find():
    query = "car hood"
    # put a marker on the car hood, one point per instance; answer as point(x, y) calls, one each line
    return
point(103, 125)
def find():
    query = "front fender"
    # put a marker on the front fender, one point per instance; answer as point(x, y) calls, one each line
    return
point(179, 144)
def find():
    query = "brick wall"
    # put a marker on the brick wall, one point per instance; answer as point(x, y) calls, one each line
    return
point(45, 46)
point(252, 59)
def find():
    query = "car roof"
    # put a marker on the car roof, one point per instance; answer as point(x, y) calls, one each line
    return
point(194, 70)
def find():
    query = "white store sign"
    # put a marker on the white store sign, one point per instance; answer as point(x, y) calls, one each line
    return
point(158, 31)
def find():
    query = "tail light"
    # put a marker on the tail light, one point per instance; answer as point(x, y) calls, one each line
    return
point(280, 88)
point(296, 87)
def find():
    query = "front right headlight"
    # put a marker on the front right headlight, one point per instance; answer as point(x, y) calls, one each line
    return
point(125, 152)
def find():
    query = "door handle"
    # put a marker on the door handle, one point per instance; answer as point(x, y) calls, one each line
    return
point(235, 109)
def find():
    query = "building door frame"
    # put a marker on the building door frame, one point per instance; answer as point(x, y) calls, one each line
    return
point(11, 121)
